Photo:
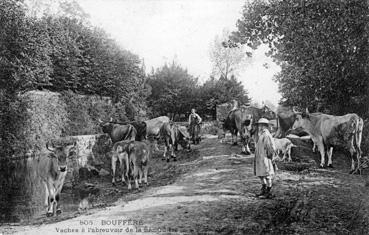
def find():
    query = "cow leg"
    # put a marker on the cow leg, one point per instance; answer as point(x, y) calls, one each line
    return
point(357, 147)
point(352, 153)
point(124, 168)
point(284, 156)
point(146, 168)
point(165, 152)
point(140, 174)
point(57, 199)
point(322, 153)
point(129, 173)
point(156, 148)
point(246, 148)
point(330, 152)
point(46, 195)
point(234, 141)
point(135, 176)
point(289, 154)
point(51, 203)
point(114, 159)
point(172, 154)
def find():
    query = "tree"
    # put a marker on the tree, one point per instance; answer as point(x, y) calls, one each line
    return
point(218, 91)
point(226, 61)
point(321, 47)
point(58, 8)
point(172, 90)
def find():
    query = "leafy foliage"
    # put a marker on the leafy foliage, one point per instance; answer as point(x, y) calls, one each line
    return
point(321, 47)
point(59, 54)
point(222, 90)
point(175, 92)
point(172, 90)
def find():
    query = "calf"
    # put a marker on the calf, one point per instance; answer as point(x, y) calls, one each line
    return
point(139, 155)
point(284, 146)
point(52, 169)
point(120, 153)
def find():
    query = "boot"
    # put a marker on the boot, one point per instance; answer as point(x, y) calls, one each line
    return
point(267, 194)
point(263, 190)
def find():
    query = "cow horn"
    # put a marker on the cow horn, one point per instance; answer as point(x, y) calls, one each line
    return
point(111, 119)
point(307, 111)
point(50, 148)
point(294, 110)
point(100, 121)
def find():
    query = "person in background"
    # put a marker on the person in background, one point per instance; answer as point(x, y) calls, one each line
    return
point(193, 120)
point(234, 105)
point(263, 162)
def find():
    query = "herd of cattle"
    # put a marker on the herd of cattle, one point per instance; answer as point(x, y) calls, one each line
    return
point(326, 131)
point(132, 148)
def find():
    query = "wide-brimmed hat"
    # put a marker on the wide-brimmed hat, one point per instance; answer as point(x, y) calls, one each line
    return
point(263, 121)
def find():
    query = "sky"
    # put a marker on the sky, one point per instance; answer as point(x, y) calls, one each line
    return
point(161, 31)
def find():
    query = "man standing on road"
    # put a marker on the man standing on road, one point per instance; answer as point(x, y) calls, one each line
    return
point(194, 120)
point(264, 152)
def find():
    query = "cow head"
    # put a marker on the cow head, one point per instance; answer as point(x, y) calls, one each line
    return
point(60, 154)
point(106, 126)
point(184, 138)
point(268, 113)
point(302, 120)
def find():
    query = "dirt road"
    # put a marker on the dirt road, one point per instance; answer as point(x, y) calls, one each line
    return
point(217, 197)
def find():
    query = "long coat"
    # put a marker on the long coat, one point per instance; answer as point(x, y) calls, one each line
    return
point(264, 151)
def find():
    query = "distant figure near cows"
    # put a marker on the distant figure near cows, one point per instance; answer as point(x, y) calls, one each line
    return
point(234, 105)
point(194, 121)
point(52, 169)
point(264, 153)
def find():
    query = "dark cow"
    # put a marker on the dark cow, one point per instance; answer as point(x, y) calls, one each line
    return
point(139, 126)
point(328, 131)
point(173, 135)
point(242, 120)
point(117, 132)
point(134, 157)
point(286, 116)
point(153, 127)
point(52, 169)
